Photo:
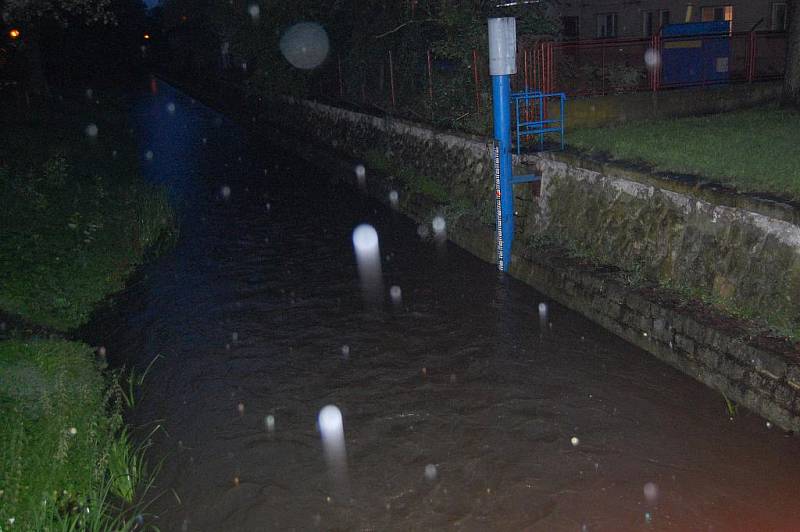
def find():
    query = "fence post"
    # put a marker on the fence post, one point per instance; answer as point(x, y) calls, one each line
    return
point(476, 78)
point(391, 79)
point(603, 70)
point(341, 83)
point(430, 79)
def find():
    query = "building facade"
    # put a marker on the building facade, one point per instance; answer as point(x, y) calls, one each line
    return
point(603, 19)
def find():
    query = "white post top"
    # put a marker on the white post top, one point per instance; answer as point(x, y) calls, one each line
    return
point(502, 46)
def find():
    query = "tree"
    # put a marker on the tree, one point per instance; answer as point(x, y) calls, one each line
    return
point(791, 80)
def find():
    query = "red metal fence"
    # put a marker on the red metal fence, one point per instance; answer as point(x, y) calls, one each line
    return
point(434, 86)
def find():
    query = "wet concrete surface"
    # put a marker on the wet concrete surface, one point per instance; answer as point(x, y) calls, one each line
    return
point(463, 408)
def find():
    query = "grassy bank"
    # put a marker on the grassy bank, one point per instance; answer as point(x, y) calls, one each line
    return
point(65, 459)
point(77, 220)
point(77, 217)
point(752, 150)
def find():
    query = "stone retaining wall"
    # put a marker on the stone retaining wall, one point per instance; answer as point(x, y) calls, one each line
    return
point(735, 254)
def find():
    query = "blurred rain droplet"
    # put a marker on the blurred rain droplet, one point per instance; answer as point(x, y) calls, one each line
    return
point(345, 351)
point(91, 130)
point(89, 94)
point(361, 175)
point(171, 108)
point(148, 155)
point(542, 316)
point(575, 441)
point(331, 428)
point(430, 472)
point(650, 492)
point(368, 258)
point(305, 45)
point(438, 224)
point(396, 293)
point(394, 199)
point(254, 11)
point(226, 192)
point(652, 58)
point(269, 423)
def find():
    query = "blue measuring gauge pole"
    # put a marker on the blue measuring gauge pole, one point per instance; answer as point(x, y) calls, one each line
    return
point(504, 198)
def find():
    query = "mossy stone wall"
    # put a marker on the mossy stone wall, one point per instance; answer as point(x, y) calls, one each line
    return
point(747, 257)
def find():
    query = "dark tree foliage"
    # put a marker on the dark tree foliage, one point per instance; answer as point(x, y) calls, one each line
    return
point(64, 41)
point(361, 32)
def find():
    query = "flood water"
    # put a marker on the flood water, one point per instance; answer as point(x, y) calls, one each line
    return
point(462, 408)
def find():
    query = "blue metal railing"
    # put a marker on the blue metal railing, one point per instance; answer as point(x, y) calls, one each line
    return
point(535, 102)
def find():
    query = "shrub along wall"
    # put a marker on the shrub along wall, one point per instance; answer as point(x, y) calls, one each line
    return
point(743, 257)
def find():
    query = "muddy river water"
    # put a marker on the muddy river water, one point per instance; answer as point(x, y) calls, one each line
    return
point(463, 406)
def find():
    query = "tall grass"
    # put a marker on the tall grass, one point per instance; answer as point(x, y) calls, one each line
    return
point(67, 462)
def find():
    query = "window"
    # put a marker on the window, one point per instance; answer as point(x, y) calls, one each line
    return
point(570, 27)
point(606, 25)
point(717, 13)
point(664, 18)
point(779, 16)
point(647, 23)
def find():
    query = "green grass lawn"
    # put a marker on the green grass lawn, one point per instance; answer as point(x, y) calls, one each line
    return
point(754, 150)
point(77, 217)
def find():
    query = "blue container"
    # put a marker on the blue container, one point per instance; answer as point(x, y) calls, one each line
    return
point(696, 53)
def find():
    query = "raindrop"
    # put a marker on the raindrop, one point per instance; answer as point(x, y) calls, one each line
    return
point(331, 428)
point(226, 192)
point(235, 336)
point(396, 294)
point(438, 225)
point(430, 472)
point(575, 441)
point(305, 45)
point(254, 11)
point(361, 175)
point(205, 140)
point(91, 130)
point(769, 425)
point(368, 258)
point(269, 423)
point(240, 409)
point(268, 206)
point(148, 155)
point(345, 350)
point(171, 108)
point(394, 199)
point(652, 58)
point(542, 316)
point(650, 492)
point(89, 94)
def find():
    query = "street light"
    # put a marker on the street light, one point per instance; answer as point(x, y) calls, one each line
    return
point(146, 36)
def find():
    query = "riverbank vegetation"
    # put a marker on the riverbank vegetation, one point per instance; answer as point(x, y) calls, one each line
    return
point(752, 150)
point(77, 220)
